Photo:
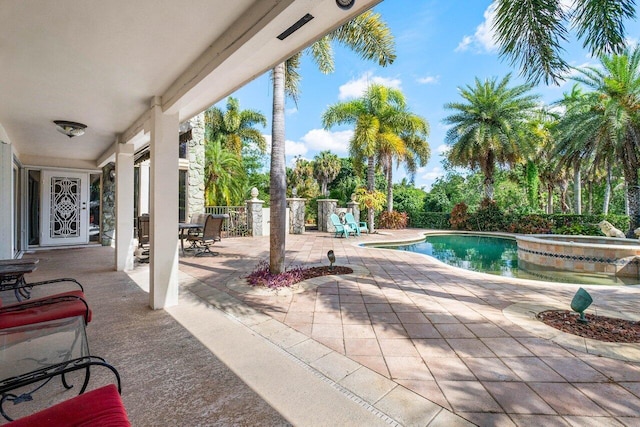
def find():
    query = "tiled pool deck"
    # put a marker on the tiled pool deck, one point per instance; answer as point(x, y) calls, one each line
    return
point(408, 339)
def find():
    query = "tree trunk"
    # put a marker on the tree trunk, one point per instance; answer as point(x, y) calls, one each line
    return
point(323, 187)
point(390, 188)
point(488, 188)
point(607, 191)
point(632, 205)
point(564, 186)
point(278, 180)
point(549, 199)
point(371, 186)
point(577, 189)
point(590, 203)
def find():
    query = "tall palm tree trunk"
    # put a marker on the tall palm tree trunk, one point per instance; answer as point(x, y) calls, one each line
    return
point(577, 189)
point(278, 183)
point(549, 199)
point(390, 187)
point(607, 191)
point(633, 198)
point(371, 186)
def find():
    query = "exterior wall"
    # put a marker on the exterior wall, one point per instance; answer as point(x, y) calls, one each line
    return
point(582, 254)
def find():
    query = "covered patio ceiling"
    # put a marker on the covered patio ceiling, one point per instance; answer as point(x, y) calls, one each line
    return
point(102, 62)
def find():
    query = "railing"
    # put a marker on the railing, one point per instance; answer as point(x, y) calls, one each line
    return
point(238, 223)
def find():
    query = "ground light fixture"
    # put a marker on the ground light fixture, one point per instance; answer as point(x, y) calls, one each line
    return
point(332, 259)
point(70, 129)
point(581, 300)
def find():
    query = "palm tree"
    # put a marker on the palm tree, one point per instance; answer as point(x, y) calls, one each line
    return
point(490, 127)
point(224, 176)
point(385, 129)
point(235, 128)
point(531, 33)
point(606, 121)
point(301, 178)
point(326, 167)
point(367, 35)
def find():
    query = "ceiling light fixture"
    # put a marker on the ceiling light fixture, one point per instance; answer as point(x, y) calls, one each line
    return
point(70, 129)
point(345, 4)
point(295, 27)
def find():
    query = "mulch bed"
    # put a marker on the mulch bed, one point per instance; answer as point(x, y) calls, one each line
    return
point(599, 328)
point(311, 272)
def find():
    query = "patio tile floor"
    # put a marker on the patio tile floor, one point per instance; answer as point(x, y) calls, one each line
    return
point(423, 343)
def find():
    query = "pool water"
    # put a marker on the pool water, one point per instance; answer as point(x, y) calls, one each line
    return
point(499, 256)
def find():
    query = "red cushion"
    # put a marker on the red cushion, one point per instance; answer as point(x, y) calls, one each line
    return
point(46, 312)
point(98, 408)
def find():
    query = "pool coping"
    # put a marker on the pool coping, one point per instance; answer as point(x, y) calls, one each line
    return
point(420, 235)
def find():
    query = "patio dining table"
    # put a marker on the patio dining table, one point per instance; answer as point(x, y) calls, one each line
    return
point(184, 228)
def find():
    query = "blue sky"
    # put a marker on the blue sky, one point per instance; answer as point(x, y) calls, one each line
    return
point(440, 46)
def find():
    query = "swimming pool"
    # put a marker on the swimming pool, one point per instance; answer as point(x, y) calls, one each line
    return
point(499, 256)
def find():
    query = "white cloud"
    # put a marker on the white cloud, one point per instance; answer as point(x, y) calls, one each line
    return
point(464, 44)
point(320, 140)
point(442, 149)
point(291, 111)
point(355, 88)
point(483, 40)
point(631, 42)
point(428, 80)
point(431, 175)
point(293, 148)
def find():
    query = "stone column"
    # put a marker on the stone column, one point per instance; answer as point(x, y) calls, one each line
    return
point(354, 207)
point(254, 214)
point(296, 215)
point(124, 207)
point(325, 208)
point(108, 205)
point(195, 198)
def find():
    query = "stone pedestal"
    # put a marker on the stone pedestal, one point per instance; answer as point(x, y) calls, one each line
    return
point(326, 207)
point(254, 214)
point(354, 208)
point(296, 215)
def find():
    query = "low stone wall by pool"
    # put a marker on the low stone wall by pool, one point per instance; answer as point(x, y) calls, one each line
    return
point(585, 254)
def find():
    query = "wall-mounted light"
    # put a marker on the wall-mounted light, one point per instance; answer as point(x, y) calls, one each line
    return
point(345, 4)
point(112, 174)
point(70, 129)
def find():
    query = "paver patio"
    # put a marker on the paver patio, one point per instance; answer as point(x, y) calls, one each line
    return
point(409, 339)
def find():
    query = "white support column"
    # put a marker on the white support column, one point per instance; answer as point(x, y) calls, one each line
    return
point(163, 236)
point(124, 207)
point(6, 200)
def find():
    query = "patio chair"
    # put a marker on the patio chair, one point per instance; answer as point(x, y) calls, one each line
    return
point(359, 227)
point(341, 229)
point(142, 253)
point(211, 233)
point(100, 407)
point(58, 306)
point(194, 235)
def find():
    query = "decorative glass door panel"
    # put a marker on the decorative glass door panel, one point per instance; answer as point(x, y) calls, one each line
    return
point(64, 208)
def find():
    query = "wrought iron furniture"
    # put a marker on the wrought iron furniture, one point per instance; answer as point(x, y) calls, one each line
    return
point(33, 311)
point(34, 354)
point(341, 229)
point(360, 227)
point(211, 233)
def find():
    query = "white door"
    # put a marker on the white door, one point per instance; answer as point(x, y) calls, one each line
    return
point(65, 213)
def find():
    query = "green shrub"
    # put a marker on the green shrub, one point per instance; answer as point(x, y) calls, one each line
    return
point(529, 224)
point(437, 220)
point(393, 220)
point(488, 217)
point(459, 219)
